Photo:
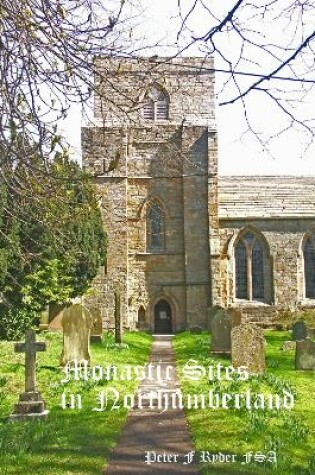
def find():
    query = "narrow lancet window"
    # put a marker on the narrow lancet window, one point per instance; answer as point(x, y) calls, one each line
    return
point(309, 267)
point(250, 267)
point(155, 224)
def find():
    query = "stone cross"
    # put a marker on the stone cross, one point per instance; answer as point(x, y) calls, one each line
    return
point(30, 347)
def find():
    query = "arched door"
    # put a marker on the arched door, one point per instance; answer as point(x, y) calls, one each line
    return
point(163, 317)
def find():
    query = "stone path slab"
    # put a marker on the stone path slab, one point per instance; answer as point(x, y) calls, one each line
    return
point(151, 432)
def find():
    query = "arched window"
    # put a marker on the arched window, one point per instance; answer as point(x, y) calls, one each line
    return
point(141, 314)
point(155, 227)
point(156, 104)
point(250, 267)
point(141, 318)
point(309, 266)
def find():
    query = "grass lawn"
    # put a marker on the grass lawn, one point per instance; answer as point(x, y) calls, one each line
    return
point(291, 433)
point(70, 441)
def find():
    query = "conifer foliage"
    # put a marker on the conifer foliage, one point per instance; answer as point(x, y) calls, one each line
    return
point(51, 239)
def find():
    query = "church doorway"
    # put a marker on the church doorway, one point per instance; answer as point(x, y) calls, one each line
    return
point(163, 317)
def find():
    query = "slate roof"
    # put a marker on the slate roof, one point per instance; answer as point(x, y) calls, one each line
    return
point(266, 197)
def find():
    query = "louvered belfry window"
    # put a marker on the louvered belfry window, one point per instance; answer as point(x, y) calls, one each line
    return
point(156, 104)
point(250, 257)
point(148, 110)
point(309, 267)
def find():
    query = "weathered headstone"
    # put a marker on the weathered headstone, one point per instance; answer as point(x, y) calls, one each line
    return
point(76, 323)
point(236, 316)
point(221, 326)
point(305, 355)
point(97, 327)
point(118, 325)
point(30, 402)
point(44, 319)
point(234, 313)
point(288, 345)
point(55, 316)
point(299, 331)
point(212, 313)
point(248, 348)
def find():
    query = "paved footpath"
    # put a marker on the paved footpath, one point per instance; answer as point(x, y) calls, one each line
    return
point(151, 430)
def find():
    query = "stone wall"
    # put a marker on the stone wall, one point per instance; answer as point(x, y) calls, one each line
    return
point(281, 210)
point(166, 161)
point(174, 162)
point(189, 83)
point(174, 171)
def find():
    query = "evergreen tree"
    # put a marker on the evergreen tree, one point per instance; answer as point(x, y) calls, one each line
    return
point(51, 240)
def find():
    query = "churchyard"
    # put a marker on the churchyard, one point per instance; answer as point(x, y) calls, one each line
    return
point(69, 441)
point(291, 433)
point(77, 435)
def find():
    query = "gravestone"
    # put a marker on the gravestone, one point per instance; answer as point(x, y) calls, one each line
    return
point(221, 326)
point(299, 331)
point(212, 313)
point(305, 355)
point(96, 335)
point(234, 313)
point(248, 348)
point(76, 323)
point(288, 345)
point(44, 319)
point(236, 316)
point(30, 403)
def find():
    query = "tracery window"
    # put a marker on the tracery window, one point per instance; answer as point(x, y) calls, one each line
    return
point(250, 267)
point(309, 266)
point(156, 104)
point(155, 227)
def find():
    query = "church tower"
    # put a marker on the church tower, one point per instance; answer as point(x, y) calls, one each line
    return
point(152, 149)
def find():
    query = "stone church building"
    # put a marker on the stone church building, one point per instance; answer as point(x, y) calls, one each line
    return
point(180, 237)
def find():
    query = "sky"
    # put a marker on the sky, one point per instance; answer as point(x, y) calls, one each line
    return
point(240, 153)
